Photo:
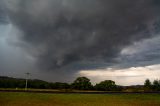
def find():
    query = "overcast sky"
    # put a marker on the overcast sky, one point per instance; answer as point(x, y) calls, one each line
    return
point(59, 40)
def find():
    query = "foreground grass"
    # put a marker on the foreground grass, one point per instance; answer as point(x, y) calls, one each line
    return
point(34, 99)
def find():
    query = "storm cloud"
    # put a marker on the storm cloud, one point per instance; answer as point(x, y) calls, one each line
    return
point(80, 34)
point(3, 16)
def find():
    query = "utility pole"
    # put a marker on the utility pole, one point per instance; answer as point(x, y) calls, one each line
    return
point(27, 75)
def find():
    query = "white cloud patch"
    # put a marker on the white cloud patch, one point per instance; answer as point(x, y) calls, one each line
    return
point(128, 76)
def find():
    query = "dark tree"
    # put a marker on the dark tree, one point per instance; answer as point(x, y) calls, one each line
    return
point(156, 85)
point(82, 83)
point(147, 84)
point(107, 85)
point(59, 85)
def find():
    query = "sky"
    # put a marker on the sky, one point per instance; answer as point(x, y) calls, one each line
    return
point(59, 40)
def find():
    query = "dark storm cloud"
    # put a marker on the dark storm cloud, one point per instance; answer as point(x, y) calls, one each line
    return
point(73, 33)
point(3, 18)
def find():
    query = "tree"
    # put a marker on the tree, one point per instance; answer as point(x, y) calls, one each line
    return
point(82, 83)
point(107, 85)
point(59, 85)
point(156, 85)
point(147, 84)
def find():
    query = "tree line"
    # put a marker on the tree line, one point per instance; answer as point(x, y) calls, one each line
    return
point(152, 86)
point(81, 83)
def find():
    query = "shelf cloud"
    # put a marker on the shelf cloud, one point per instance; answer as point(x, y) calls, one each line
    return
point(80, 34)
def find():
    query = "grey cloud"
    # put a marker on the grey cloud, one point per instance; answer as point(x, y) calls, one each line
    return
point(3, 16)
point(13, 61)
point(144, 53)
point(62, 34)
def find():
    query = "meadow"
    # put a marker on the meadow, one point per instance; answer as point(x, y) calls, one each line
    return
point(39, 99)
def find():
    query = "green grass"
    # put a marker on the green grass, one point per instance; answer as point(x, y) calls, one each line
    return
point(35, 99)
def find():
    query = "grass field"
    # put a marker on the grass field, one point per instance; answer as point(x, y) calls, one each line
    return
point(35, 99)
